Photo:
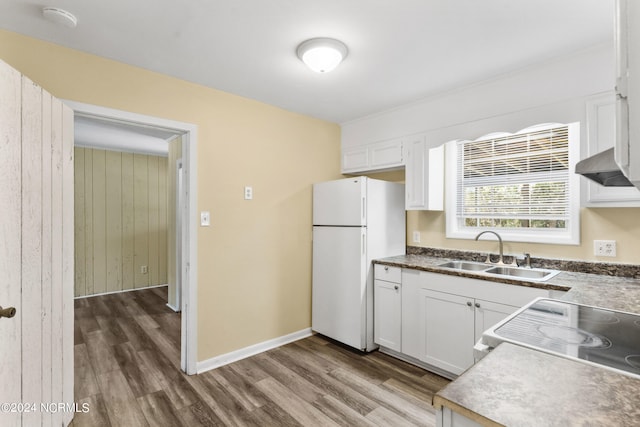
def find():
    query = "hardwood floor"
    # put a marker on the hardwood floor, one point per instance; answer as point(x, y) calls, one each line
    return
point(127, 367)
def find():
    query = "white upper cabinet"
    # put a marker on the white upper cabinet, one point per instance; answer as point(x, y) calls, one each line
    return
point(601, 135)
point(373, 157)
point(424, 168)
point(424, 175)
point(627, 38)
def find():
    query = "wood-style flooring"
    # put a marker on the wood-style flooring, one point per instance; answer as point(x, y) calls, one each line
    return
point(127, 368)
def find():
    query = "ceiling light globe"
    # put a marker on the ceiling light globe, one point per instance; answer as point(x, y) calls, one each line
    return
point(322, 54)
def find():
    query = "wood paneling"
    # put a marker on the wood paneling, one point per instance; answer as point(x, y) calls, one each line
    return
point(36, 259)
point(113, 218)
point(128, 229)
point(121, 221)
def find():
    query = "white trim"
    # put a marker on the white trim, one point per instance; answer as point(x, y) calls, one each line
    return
point(188, 362)
point(571, 236)
point(173, 308)
point(252, 350)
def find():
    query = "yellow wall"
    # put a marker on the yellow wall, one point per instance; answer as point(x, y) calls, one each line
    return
point(254, 262)
point(619, 224)
point(120, 221)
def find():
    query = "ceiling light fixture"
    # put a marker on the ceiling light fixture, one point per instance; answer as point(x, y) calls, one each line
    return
point(322, 54)
point(59, 16)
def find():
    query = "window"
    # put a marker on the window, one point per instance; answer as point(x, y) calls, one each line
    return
point(521, 185)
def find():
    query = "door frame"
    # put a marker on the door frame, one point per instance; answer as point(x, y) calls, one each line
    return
point(179, 176)
point(188, 270)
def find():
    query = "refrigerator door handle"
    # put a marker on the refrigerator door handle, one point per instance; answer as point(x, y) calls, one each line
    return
point(364, 237)
point(364, 209)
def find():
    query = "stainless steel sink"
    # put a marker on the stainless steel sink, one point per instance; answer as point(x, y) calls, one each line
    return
point(536, 274)
point(465, 265)
point(533, 274)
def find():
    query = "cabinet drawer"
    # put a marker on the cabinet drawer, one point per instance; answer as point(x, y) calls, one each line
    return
point(389, 274)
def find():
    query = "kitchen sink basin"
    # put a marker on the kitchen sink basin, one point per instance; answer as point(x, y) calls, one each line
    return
point(465, 265)
point(534, 274)
point(525, 273)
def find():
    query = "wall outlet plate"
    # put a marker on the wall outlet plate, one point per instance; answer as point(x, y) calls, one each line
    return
point(604, 248)
point(248, 193)
point(416, 237)
point(205, 219)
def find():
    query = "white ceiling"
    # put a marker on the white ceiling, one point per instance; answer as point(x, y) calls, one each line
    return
point(400, 51)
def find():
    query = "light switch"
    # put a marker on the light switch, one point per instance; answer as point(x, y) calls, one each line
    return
point(205, 219)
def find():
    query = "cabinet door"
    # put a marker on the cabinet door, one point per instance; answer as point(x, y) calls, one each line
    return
point(424, 176)
point(488, 314)
point(355, 159)
point(386, 155)
point(415, 174)
point(387, 314)
point(446, 330)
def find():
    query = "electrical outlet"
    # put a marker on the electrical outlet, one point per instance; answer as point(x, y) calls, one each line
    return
point(416, 237)
point(144, 269)
point(604, 248)
point(248, 193)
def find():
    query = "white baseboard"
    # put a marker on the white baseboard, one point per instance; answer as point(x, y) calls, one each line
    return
point(176, 309)
point(120, 291)
point(252, 350)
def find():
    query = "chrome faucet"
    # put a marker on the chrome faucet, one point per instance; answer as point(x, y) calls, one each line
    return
point(488, 260)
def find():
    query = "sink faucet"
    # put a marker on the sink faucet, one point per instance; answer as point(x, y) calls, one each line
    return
point(488, 260)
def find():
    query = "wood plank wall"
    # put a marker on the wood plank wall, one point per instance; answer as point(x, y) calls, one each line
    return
point(121, 221)
point(36, 255)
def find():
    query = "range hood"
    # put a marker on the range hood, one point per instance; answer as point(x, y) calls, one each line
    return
point(603, 169)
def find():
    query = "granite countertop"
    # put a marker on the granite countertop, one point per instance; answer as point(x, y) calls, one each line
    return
point(516, 386)
point(603, 290)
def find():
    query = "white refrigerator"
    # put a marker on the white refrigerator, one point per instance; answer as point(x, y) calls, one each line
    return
point(355, 220)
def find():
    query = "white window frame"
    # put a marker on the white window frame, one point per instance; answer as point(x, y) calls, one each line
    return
point(569, 236)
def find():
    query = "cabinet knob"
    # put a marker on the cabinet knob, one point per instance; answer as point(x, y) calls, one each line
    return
point(469, 303)
point(477, 305)
point(386, 268)
point(396, 287)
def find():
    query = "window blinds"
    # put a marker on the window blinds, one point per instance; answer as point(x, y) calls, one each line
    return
point(521, 178)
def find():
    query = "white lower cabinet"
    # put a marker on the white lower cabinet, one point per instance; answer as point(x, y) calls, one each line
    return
point(387, 321)
point(446, 417)
point(446, 330)
point(488, 313)
point(387, 307)
point(450, 325)
point(435, 319)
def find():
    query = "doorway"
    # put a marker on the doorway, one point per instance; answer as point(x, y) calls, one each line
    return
point(186, 237)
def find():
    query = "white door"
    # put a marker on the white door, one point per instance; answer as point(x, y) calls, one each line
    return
point(339, 284)
point(341, 202)
point(36, 254)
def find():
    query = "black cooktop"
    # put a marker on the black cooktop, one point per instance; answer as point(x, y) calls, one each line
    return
point(601, 336)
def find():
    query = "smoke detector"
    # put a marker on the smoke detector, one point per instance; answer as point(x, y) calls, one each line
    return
point(59, 16)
